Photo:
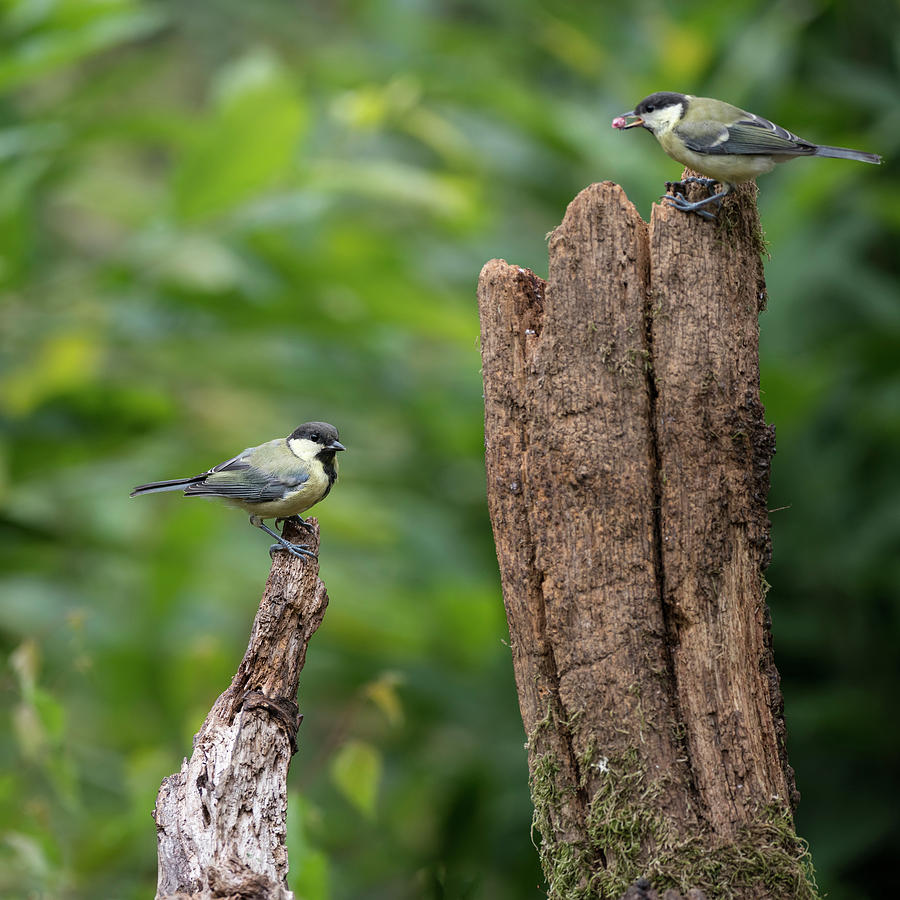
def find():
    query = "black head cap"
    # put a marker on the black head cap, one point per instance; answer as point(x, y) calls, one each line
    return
point(660, 100)
point(319, 433)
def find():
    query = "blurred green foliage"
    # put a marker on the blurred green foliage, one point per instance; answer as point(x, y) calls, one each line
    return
point(220, 219)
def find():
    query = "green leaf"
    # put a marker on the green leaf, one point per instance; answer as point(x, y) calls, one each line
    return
point(356, 771)
point(77, 30)
point(248, 143)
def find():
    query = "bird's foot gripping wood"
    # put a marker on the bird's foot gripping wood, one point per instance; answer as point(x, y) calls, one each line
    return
point(294, 549)
point(283, 544)
point(679, 201)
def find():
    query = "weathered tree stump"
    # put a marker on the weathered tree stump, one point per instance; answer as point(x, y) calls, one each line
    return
point(221, 820)
point(628, 465)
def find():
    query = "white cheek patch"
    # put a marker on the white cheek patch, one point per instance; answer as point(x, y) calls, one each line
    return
point(303, 448)
point(664, 119)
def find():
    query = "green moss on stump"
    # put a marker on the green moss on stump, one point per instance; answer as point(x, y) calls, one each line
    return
point(627, 838)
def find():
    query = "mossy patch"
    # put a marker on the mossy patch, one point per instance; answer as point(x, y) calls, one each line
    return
point(626, 837)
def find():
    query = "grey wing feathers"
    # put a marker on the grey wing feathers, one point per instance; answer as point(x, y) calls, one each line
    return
point(254, 486)
point(251, 484)
point(234, 479)
point(233, 464)
point(749, 135)
point(782, 135)
point(174, 484)
point(703, 137)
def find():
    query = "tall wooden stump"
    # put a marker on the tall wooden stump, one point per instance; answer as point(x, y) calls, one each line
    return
point(628, 466)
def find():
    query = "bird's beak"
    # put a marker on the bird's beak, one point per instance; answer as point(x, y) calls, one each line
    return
point(335, 445)
point(621, 123)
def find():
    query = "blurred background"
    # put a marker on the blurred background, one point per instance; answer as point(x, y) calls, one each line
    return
point(220, 219)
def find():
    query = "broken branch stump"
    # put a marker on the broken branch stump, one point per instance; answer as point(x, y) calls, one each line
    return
point(221, 820)
point(628, 466)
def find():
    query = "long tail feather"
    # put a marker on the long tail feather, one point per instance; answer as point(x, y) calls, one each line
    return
point(156, 487)
point(844, 153)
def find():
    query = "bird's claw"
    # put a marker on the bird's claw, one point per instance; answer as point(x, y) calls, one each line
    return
point(680, 202)
point(294, 550)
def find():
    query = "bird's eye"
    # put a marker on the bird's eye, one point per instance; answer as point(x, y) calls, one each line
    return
point(650, 108)
point(315, 437)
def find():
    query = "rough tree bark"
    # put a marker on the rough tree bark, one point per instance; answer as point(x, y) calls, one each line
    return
point(221, 820)
point(628, 464)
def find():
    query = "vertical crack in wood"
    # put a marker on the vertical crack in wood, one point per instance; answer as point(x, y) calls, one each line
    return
point(670, 626)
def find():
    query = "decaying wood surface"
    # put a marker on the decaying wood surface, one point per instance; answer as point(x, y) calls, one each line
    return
point(714, 456)
point(628, 462)
point(221, 820)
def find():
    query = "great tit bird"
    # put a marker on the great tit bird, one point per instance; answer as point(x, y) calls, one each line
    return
point(728, 144)
point(279, 479)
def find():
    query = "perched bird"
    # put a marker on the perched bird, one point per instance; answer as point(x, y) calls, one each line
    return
point(728, 144)
point(279, 479)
